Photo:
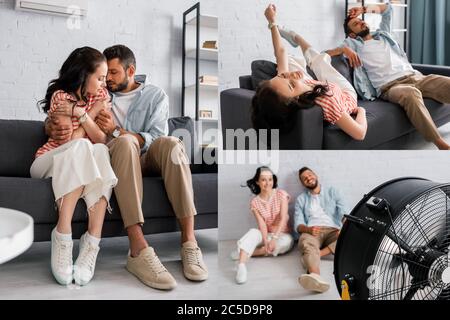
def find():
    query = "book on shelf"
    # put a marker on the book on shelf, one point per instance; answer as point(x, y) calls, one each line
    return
point(209, 80)
point(210, 44)
point(209, 146)
point(205, 114)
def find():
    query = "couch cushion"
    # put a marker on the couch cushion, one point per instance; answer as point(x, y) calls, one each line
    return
point(186, 128)
point(340, 63)
point(262, 70)
point(19, 142)
point(35, 197)
point(21, 139)
point(386, 121)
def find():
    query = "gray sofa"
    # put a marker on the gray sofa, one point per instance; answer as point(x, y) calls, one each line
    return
point(19, 141)
point(389, 127)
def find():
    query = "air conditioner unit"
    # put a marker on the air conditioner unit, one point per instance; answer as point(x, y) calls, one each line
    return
point(55, 7)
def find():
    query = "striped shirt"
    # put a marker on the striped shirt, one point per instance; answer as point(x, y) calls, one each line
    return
point(336, 102)
point(270, 210)
point(60, 96)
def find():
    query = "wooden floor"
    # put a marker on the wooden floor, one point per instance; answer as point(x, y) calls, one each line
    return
point(29, 276)
point(270, 278)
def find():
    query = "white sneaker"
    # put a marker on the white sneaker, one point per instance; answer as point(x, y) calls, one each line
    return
point(313, 282)
point(61, 260)
point(241, 274)
point(84, 267)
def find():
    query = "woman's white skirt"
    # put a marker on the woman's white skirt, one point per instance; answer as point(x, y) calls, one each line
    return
point(75, 164)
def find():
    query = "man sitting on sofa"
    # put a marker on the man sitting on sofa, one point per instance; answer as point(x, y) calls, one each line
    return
point(319, 212)
point(138, 128)
point(386, 72)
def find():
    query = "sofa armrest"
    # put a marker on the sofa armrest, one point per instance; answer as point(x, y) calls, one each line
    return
point(307, 133)
point(235, 107)
point(427, 69)
point(245, 82)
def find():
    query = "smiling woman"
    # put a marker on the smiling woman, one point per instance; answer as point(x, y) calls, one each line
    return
point(270, 209)
point(79, 168)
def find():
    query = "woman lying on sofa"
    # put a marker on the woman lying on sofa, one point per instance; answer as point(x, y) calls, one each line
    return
point(277, 100)
point(78, 168)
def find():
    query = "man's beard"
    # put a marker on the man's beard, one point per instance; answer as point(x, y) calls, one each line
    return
point(364, 33)
point(314, 186)
point(120, 87)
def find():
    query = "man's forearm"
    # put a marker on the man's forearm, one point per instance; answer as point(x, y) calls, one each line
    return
point(303, 229)
point(376, 8)
point(335, 52)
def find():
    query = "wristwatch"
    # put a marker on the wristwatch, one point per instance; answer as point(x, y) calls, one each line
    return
point(83, 118)
point(116, 132)
point(272, 24)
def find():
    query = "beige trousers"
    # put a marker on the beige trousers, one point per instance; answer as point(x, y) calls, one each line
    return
point(166, 157)
point(409, 93)
point(310, 246)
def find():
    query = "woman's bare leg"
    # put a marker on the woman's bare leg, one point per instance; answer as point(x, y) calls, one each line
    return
point(97, 217)
point(243, 256)
point(66, 208)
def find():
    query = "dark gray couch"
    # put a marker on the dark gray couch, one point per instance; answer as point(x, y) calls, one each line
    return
point(19, 141)
point(389, 127)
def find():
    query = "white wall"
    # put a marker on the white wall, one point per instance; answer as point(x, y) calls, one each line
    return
point(34, 46)
point(244, 35)
point(354, 173)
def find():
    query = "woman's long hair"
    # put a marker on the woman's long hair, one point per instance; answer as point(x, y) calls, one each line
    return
point(252, 183)
point(270, 110)
point(74, 73)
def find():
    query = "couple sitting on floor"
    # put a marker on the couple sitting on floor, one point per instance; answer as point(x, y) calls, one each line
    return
point(97, 144)
point(319, 212)
point(382, 70)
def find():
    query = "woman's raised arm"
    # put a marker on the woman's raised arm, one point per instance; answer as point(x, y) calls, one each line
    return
point(278, 45)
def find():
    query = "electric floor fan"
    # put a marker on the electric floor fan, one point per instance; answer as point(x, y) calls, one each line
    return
point(395, 244)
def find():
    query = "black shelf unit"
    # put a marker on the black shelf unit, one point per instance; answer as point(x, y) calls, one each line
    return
point(196, 8)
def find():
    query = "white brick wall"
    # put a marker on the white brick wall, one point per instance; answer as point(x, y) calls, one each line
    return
point(354, 173)
point(34, 46)
point(244, 36)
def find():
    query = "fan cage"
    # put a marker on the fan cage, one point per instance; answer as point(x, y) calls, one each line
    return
point(419, 272)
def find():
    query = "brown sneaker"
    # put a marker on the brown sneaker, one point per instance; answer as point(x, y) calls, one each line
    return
point(147, 268)
point(314, 282)
point(193, 266)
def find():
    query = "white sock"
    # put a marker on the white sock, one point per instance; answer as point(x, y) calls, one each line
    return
point(63, 236)
point(241, 274)
point(91, 239)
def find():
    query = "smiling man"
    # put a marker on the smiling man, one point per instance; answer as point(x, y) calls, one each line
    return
point(140, 146)
point(319, 212)
point(384, 71)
